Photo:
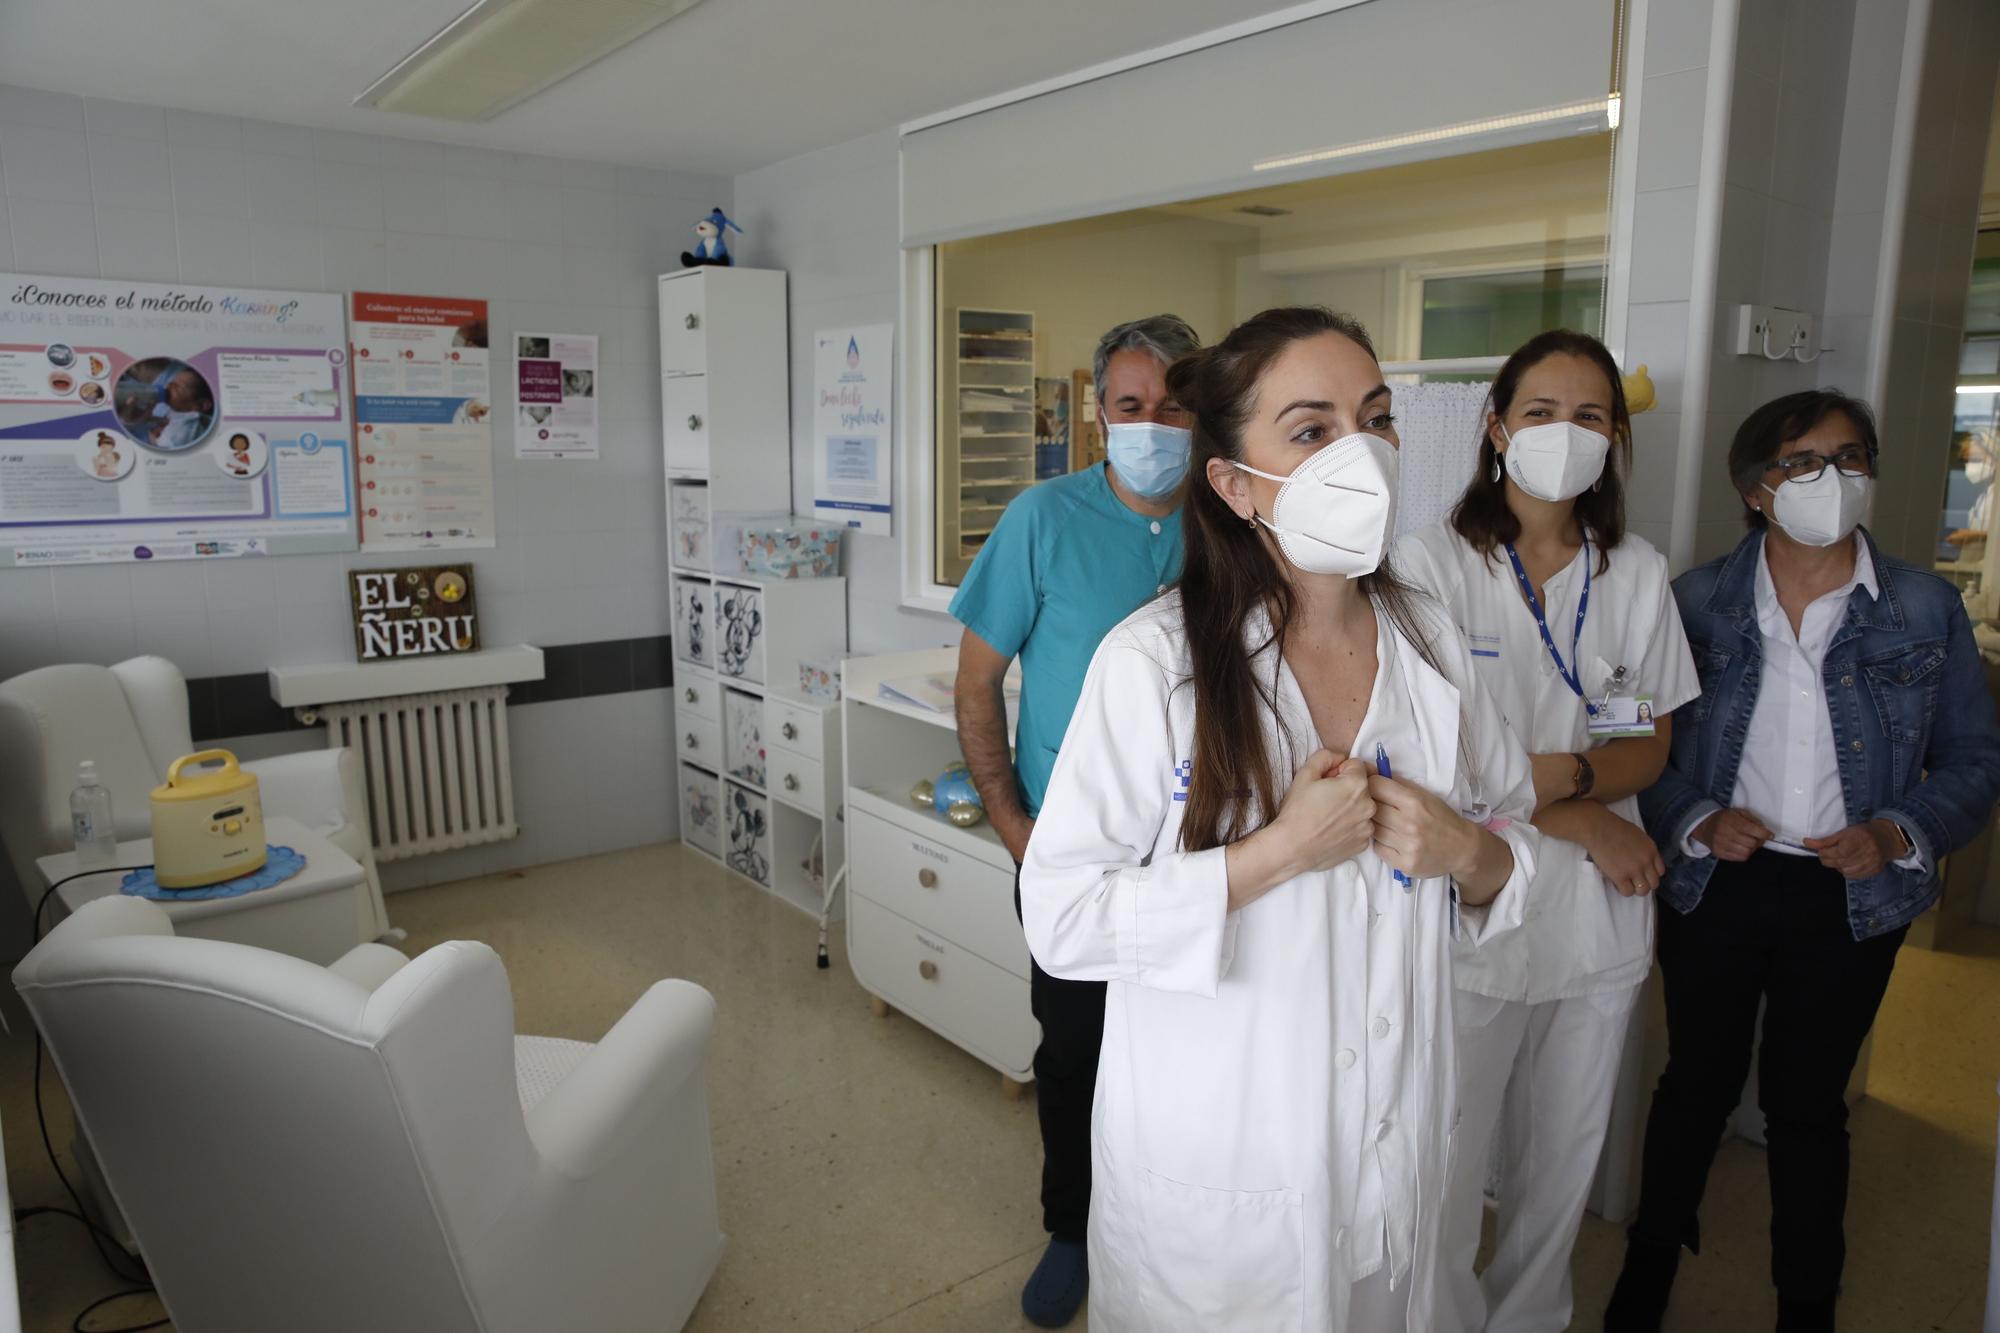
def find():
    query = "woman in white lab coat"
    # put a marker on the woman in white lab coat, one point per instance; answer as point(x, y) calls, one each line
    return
point(1572, 627)
point(1275, 1095)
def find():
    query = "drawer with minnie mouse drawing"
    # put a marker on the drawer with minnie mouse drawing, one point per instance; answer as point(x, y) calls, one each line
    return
point(760, 630)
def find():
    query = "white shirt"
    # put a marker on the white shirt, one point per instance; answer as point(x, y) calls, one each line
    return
point(1790, 774)
point(1582, 936)
point(1277, 1092)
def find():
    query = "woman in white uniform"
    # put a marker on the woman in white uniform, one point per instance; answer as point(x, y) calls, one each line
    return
point(1573, 630)
point(1275, 1095)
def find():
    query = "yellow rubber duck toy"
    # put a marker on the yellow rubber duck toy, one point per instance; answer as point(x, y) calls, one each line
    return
point(1639, 391)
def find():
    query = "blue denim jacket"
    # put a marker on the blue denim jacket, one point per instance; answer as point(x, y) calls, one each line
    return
point(1892, 664)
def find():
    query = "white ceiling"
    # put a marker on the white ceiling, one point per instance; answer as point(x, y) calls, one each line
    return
point(727, 87)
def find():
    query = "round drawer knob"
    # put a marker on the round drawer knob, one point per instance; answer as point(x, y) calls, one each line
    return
point(693, 321)
point(790, 732)
point(927, 970)
point(791, 782)
point(927, 878)
point(694, 422)
point(692, 697)
point(694, 741)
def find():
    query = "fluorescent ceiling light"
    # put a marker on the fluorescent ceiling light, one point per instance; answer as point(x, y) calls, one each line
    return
point(501, 52)
point(1979, 388)
point(1597, 113)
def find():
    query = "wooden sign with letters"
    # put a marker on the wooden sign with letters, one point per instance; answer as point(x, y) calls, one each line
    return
point(422, 612)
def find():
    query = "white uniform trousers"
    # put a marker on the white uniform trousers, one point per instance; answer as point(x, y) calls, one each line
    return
point(1554, 1068)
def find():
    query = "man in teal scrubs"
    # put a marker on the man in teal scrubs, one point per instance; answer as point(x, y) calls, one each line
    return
point(1069, 559)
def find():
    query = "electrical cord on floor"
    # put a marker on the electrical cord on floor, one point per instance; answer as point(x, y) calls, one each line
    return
point(98, 1235)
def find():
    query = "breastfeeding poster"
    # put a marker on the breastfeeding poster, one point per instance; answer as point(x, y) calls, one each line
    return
point(555, 395)
point(150, 421)
point(852, 426)
point(423, 399)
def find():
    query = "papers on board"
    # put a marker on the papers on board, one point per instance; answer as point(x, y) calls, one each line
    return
point(933, 694)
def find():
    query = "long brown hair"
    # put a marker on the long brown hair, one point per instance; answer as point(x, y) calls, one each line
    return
point(1482, 516)
point(1228, 573)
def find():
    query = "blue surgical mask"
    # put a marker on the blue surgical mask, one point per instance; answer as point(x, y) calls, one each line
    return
point(1150, 459)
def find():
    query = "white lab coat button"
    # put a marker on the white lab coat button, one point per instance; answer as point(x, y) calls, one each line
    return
point(1381, 1027)
point(1382, 1131)
point(1345, 1059)
point(1155, 525)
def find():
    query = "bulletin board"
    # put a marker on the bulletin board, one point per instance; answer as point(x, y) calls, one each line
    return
point(149, 421)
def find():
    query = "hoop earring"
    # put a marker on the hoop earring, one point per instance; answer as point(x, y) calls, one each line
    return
point(1496, 469)
point(1251, 520)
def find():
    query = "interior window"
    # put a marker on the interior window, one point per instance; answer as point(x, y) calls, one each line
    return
point(1446, 260)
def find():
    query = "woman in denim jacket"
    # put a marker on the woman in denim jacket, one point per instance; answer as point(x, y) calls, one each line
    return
point(1807, 801)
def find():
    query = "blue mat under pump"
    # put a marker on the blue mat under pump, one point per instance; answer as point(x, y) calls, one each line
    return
point(280, 864)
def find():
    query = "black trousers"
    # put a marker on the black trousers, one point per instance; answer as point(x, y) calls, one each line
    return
point(1773, 928)
point(1072, 1017)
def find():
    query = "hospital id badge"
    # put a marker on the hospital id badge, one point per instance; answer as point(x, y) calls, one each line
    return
point(1618, 716)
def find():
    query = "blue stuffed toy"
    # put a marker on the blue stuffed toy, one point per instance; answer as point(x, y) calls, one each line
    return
point(709, 246)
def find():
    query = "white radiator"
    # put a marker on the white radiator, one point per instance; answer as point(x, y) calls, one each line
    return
point(437, 767)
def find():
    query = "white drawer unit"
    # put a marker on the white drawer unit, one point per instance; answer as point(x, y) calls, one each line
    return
point(739, 631)
point(921, 889)
point(688, 524)
point(683, 326)
point(699, 739)
point(761, 629)
point(684, 419)
point(701, 809)
point(743, 736)
point(700, 695)
point(960, 896)
point(948, 988)
point(725, 363)
point(796, 780)
point(794, 727)
point(726, 440)
point(694, 622)
point(746, 832)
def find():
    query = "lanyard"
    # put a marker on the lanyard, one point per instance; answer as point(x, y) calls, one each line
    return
point(1568, 673)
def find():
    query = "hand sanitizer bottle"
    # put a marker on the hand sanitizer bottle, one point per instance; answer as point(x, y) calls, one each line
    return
point(90, 819)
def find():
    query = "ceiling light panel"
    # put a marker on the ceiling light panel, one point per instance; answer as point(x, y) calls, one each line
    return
point(501, 52)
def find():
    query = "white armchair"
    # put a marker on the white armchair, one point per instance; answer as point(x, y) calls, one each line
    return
point(369, 1145)
point(132, 720)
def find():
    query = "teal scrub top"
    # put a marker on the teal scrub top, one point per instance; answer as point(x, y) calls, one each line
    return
point(1065, 564)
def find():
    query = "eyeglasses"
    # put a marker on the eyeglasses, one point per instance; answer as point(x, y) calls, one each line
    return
point(1853, 460)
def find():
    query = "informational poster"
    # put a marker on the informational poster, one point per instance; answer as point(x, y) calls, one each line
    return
point(171, 421)
point(555, 395)
point(423, 399)
point(1439, 425)
point(853, 415)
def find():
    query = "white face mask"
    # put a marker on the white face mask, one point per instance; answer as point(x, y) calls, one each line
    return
point(1557, 460)
point(1822, 511)
point(1979, 471)
point(1334, 513)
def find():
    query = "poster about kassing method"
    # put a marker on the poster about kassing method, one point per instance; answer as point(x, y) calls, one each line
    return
point(555, 395)
point(150, 421)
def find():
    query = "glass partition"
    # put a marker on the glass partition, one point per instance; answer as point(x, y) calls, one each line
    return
point(1451, 260)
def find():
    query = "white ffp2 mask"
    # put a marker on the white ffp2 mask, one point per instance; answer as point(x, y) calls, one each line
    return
point(1334, 513)
point(1821, 511)
point(1556, 460)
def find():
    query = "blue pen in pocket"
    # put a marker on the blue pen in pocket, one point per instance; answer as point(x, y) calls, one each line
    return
point(1382, 767)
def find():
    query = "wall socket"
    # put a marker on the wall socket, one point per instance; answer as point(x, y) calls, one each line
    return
point(1759, 326)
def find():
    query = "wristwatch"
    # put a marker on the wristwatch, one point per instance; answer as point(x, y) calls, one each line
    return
point(1586, 776)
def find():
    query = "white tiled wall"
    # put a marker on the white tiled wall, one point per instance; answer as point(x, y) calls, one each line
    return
point(98, 188)
point(830, 219)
